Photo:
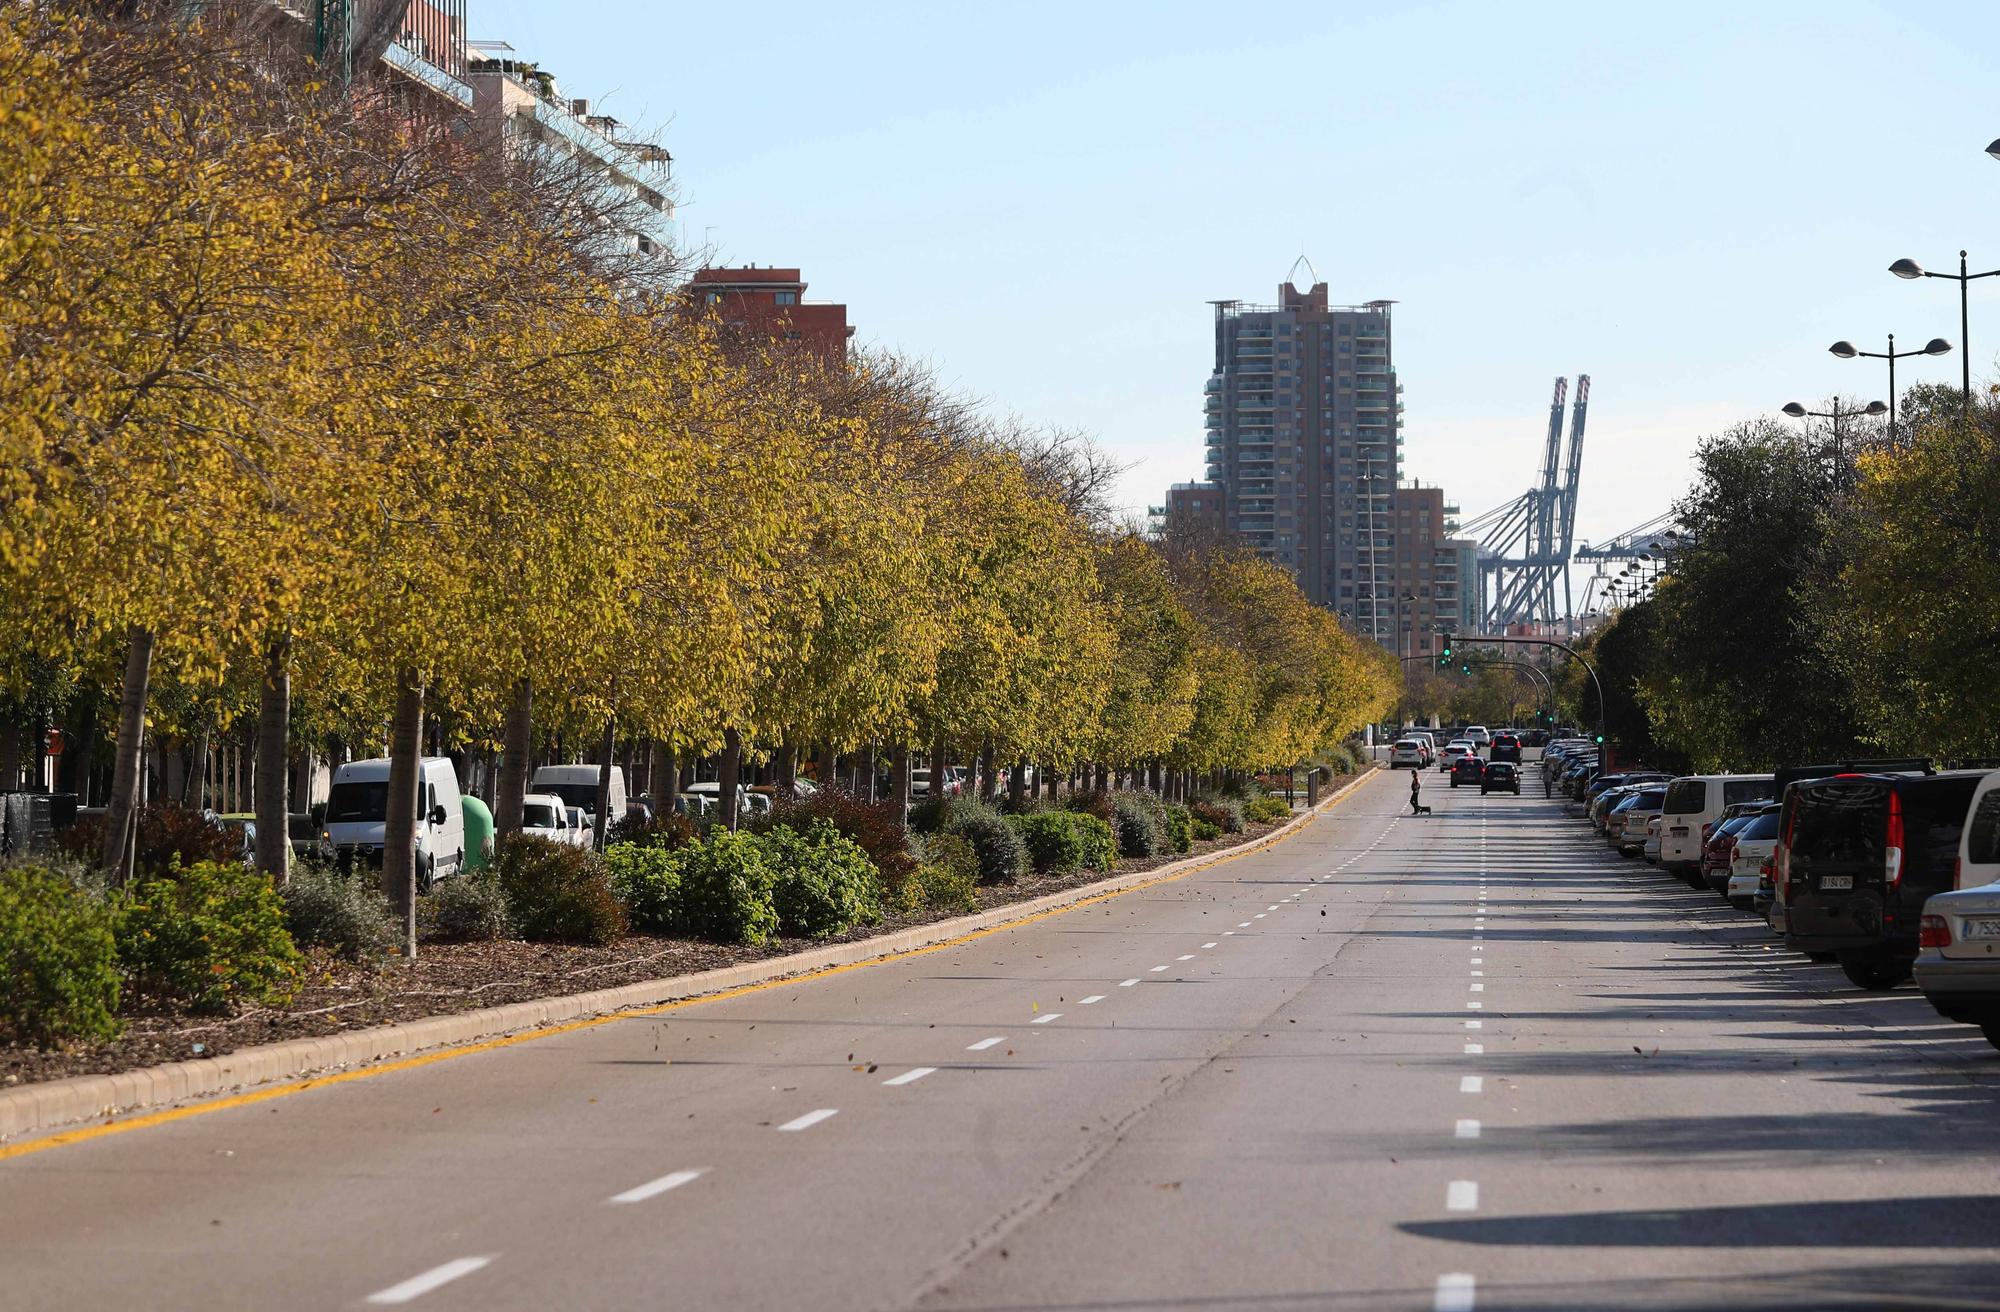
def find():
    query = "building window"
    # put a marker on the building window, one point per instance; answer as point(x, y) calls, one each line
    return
point(786, 298)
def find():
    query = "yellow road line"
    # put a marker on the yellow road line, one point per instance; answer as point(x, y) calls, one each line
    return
point(83, 1134)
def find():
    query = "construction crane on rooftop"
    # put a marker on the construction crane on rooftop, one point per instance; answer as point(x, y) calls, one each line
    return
point(1526, 544)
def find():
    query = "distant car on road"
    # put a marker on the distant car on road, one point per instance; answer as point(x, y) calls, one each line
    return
point(1407, 751)
point(1500, 777)
point(1454, 751)
point(1506, 747)
point(1467, 769)
point(1478, 736)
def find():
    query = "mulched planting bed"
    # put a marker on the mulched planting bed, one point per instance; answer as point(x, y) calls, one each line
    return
point(453, 977)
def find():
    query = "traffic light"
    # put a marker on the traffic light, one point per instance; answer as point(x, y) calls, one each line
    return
point(1600, 740)
point(1447, 646)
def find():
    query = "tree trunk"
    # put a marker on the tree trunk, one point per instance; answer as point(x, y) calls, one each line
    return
point(940, 767)
point(899, 781)
point(829, 762)
point(198, 772)
point(273, 791)
point(865, 770)
point(607, 750)
point(399, 830)
point(119, 820)
point(788, 770)
point(729, 770)
point(10, 757)
point(1017, 784)
point(1103, 776)
point(986, 783)
point(670, 776)
point(517, 743)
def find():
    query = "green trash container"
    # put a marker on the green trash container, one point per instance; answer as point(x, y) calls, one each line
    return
point(478, 832)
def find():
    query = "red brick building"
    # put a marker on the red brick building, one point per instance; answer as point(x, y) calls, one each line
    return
point(771, 302)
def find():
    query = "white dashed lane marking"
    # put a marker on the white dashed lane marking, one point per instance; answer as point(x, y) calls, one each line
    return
point(419, 1285)
point(809, 1120)
point(1470, 1084)
point(984, 1044)
point(1127, 983)
point(1465, 1130)
point(1462, 1196)
point(911, 1076)
point(1454, 1293)
point(1046, 1017)
point(1095, 997)
point(654, 1188)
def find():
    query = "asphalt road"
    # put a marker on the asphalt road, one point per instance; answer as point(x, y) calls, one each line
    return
point(1453, 1061)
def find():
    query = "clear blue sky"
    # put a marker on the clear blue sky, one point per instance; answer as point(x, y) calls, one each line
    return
point(1688, 202)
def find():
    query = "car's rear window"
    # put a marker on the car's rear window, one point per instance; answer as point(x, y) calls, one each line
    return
point(1982, 844)
point(1841, 824)
point(1762, 825)
point(1651, 799)
point(1687, 797)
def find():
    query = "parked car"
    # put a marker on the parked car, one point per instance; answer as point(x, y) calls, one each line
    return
point(1406, 752)
point(1506, 747)
point(1695, 803)
point(1500, 777)
point(1599, 812)
point(577, 786)
point(1477, 735)
point(1467, 769)
point(1958, 961)
point(1625, 825)
point(543, 815)
point(1454, 751)
point(1650, 849)
point(1720, 845)
point(357, 810)
point(1428, 741)
point(1750, 854)
point(1862, 854)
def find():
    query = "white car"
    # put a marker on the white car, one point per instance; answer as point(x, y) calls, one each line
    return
point(1407, 751)
point(543, 815)
point(1452, 751)
point(1755, 842)
point(1477, 735)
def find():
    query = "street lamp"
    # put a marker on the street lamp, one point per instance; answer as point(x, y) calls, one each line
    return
point(1797, 411)
point(1910, 271)
point(1847, 351)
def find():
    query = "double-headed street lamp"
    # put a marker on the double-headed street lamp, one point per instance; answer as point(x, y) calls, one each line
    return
point(1848, 351)
point(1797, 411)
point(1911, 270)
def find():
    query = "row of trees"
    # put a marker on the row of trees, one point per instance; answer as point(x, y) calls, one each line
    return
point(1841, 598)
point(317, 411)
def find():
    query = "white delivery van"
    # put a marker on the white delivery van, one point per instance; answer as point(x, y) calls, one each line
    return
point(1694, 803)
point(357, 808)
point(1979, 840)
point(543, 815)
point(577, 786)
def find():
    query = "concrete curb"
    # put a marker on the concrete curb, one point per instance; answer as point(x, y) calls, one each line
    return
point(33, 1108)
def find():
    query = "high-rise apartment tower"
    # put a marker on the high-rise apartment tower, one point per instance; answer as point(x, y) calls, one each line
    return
point(1304, 441)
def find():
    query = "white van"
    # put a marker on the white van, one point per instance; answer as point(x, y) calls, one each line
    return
point(1979, 841)
point(357, 808)
point(543, 815)
point(577, 786)
point(1694, 803)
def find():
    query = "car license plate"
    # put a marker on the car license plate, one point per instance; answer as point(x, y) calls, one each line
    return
point(1836, 881)
point(1680, 831)
point(1982, 928)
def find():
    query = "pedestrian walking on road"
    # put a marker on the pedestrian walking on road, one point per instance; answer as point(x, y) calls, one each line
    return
point(1416, 788)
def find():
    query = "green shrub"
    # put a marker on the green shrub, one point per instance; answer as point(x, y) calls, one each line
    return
point(557, 893)
point(347, 914)
point(1098, 841)
point(207, 937)
point(1141, 831)
point(668, 832)
point(647, 879)
point(876, 827)
point(946, 877)
point(1053, 844)
point(725, 888)
point(1002, 855)
point(1202, 830)
point(1263, 810)
point(823, 882)
point(1225, 813)
point(1179, 833)
point(58, 959)
point(468, 909)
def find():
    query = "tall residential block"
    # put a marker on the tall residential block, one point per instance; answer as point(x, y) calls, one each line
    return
point(1303, 418)
point(769, 303)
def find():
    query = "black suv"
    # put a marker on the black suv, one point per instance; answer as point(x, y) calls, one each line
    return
point(1505, 747)
point(1859, 854)
point(1467, 769)
point(1500, 776)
